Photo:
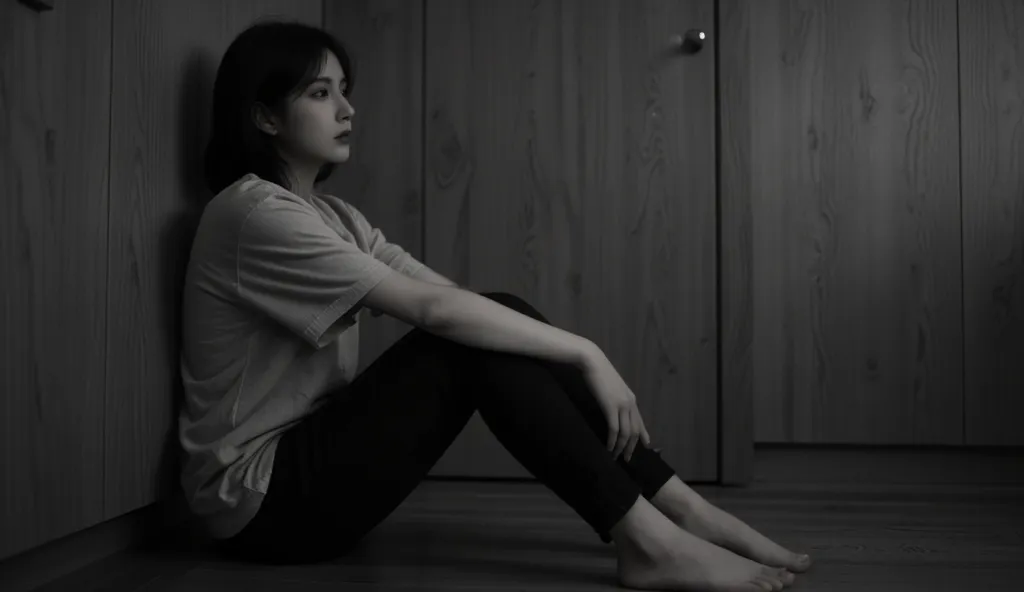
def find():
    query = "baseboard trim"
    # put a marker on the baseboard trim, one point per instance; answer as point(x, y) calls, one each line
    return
point(51, 561)
point(888, 465)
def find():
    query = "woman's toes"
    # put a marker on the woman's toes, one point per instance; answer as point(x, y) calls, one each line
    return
point(786, 576)
point(774, 576)
point(800, 563)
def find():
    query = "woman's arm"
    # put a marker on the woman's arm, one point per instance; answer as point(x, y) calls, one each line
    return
point(477, 321)
point(426, 274)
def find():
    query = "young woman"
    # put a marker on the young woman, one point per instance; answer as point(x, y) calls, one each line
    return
point(291, 457)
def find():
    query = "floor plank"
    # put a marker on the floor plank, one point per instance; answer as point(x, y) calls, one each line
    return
point(513, 535)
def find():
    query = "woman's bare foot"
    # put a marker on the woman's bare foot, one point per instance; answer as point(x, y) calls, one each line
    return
point(687, 509)
point(722, 528)
point(654, 554)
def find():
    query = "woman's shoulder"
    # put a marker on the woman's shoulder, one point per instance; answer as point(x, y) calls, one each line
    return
point(252, 195)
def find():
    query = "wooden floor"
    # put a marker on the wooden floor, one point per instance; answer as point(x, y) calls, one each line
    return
point(453, 535)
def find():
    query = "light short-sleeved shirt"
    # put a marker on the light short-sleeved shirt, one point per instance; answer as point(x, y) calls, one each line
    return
point(269, 331)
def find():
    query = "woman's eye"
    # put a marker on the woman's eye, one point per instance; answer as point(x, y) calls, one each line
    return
point(317, 94)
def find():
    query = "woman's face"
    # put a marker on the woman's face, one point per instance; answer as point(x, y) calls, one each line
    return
point(308, 136)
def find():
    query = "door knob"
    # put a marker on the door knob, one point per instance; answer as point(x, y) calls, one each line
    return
point(691, 42)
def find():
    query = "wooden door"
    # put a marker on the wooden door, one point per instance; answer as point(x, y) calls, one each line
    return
point(569, 159)
point(992, 161)
point(840, 173)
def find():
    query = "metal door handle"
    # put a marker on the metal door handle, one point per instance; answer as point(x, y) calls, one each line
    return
point(691, 42)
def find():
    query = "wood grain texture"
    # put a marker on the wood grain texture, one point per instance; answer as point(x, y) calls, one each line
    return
point(855, 234)
point(888, 468)
point(82, 549)
point(735, 249)
point(55, 101)
point(502, 536)
point(165, 59)
point(383, 178)
point(569, 161)
point(992, 160)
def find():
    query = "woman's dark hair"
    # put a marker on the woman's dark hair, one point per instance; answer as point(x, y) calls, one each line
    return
point(271, 62)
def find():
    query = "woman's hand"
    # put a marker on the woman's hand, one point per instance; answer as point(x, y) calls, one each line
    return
point(625, 426)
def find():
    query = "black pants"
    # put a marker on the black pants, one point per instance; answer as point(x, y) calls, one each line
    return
point(344, 468)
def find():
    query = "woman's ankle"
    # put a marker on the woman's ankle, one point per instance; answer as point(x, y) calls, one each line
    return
point(644, 531)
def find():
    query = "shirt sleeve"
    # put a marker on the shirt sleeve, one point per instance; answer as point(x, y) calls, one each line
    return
point(390, 253)
point(297, 270)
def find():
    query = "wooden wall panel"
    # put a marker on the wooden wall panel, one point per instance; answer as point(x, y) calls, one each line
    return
point(165, 59)
point(735, 249)
point(384, 175)
point(854, 241)
point(992, 160)
point(570, 161)
point(55, 103)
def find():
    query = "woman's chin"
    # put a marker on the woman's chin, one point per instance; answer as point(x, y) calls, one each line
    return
point(339, 155)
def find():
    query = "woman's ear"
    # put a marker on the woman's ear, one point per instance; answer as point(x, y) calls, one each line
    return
point(264, 119)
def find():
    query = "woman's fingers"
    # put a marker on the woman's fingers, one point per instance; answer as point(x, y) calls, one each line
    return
point(613, 429)
point(646, 436)
point(634, 418)
point(625, 426)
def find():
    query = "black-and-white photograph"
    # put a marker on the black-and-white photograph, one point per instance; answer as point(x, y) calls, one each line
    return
point(512, 295)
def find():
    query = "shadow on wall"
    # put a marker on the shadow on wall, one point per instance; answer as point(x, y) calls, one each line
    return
point(193, 113)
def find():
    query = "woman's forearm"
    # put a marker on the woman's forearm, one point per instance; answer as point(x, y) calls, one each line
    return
point(426, 274)
point(477, 321)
